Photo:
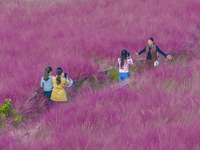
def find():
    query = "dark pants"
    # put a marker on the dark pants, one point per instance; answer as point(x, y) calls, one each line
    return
point(48, 95)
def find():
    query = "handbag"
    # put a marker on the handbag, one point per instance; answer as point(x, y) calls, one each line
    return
point(71, 82)
point(156, 63)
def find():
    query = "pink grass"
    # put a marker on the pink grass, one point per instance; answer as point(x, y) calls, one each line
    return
point(158, 110)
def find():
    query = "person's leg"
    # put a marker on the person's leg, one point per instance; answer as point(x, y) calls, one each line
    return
point(49, 101)
point(126, 77)
point(123, 78)
point(46, 94)
point(49, 94)
point(152, 64)
point(120, 78)
point(148, 64)
point(49, 98)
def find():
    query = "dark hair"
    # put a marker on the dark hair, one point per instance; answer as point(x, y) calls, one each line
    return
point(123, 57)
point(58, 72)
point(151, 39)
point(46, 73)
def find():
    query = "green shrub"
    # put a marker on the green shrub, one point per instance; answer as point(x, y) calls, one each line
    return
point(6, 112)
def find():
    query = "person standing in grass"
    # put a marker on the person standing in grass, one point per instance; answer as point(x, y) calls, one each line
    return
point(124, 61)
point(151, 53)
point(46, 83)
point(59, 82)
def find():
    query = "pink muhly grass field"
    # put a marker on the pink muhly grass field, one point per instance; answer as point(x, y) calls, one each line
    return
point(159, 109)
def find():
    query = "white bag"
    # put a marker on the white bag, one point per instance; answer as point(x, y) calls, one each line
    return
point(156, 63)
point(71, 82)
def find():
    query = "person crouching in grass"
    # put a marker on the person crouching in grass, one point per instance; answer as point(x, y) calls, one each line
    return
point(59, 82)
point(46, 83)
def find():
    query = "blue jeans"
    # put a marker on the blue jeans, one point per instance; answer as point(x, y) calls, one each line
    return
point(123, 77)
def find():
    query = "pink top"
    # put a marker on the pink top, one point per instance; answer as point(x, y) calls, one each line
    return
point(125, 67)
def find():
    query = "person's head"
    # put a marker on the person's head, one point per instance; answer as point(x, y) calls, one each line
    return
point(59, 73)
point(47, 71)
point(150, 41)
point(123, 56)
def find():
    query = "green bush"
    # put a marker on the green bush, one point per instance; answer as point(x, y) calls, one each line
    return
point(6, 112)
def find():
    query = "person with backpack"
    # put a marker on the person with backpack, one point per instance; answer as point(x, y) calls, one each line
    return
point(59, 83)
point(124, 62)
point(151, 54)
point(46, 83)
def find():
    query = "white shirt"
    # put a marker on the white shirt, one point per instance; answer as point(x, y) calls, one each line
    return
point(125, 67)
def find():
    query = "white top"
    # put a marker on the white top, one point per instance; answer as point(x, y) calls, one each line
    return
point(125, 67)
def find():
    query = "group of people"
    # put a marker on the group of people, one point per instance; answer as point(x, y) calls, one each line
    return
point(151, 60)
point(54, 86)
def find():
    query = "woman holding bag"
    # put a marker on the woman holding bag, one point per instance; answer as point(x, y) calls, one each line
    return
point(59, 83)
point(151, 54)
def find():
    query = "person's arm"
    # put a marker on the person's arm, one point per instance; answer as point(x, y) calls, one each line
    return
point(63, 75)
point(130, 61)
point(42, 83)
point(142, 51)
point(66, 81)
point(118, 62)
point(161, 52)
